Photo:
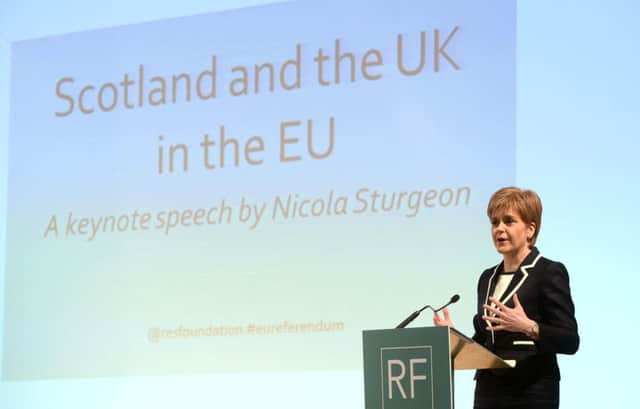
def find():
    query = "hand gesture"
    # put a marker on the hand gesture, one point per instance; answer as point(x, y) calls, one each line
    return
point(442, 321)
point(507, 319)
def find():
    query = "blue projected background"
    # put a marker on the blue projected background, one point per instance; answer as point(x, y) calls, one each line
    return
point(388, 215)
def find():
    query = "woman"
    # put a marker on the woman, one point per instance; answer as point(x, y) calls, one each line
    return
point(525, 311)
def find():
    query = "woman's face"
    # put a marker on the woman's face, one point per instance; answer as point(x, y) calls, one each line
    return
point(510, 233)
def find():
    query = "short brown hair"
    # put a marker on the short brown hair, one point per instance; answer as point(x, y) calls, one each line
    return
point(526, 202)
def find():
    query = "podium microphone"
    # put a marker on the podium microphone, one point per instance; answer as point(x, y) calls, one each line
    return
point(415, 314)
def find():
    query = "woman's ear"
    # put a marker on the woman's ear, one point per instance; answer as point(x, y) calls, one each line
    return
point(531, 231)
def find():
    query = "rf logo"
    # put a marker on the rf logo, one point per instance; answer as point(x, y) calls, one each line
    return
point(406, 377)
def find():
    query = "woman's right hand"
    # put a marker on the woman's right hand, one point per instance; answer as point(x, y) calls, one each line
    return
point(444, 321)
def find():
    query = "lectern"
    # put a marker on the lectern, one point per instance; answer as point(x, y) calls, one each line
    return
point(412, 368)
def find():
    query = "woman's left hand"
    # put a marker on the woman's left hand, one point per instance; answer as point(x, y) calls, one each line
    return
point(508, 319)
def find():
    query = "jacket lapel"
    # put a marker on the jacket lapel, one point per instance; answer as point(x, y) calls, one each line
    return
point(491, 284)
point(521, 275)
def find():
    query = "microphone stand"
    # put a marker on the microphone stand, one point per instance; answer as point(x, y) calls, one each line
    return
point(415, 314)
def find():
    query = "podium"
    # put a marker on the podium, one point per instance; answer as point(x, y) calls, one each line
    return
point(412, 368)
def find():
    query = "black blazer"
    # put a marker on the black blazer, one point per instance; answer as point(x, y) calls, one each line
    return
point(542, 286)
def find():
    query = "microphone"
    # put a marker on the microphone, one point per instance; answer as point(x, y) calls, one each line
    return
point(415, 314)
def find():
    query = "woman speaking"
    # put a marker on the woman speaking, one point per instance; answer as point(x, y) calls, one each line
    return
point(525, 311)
